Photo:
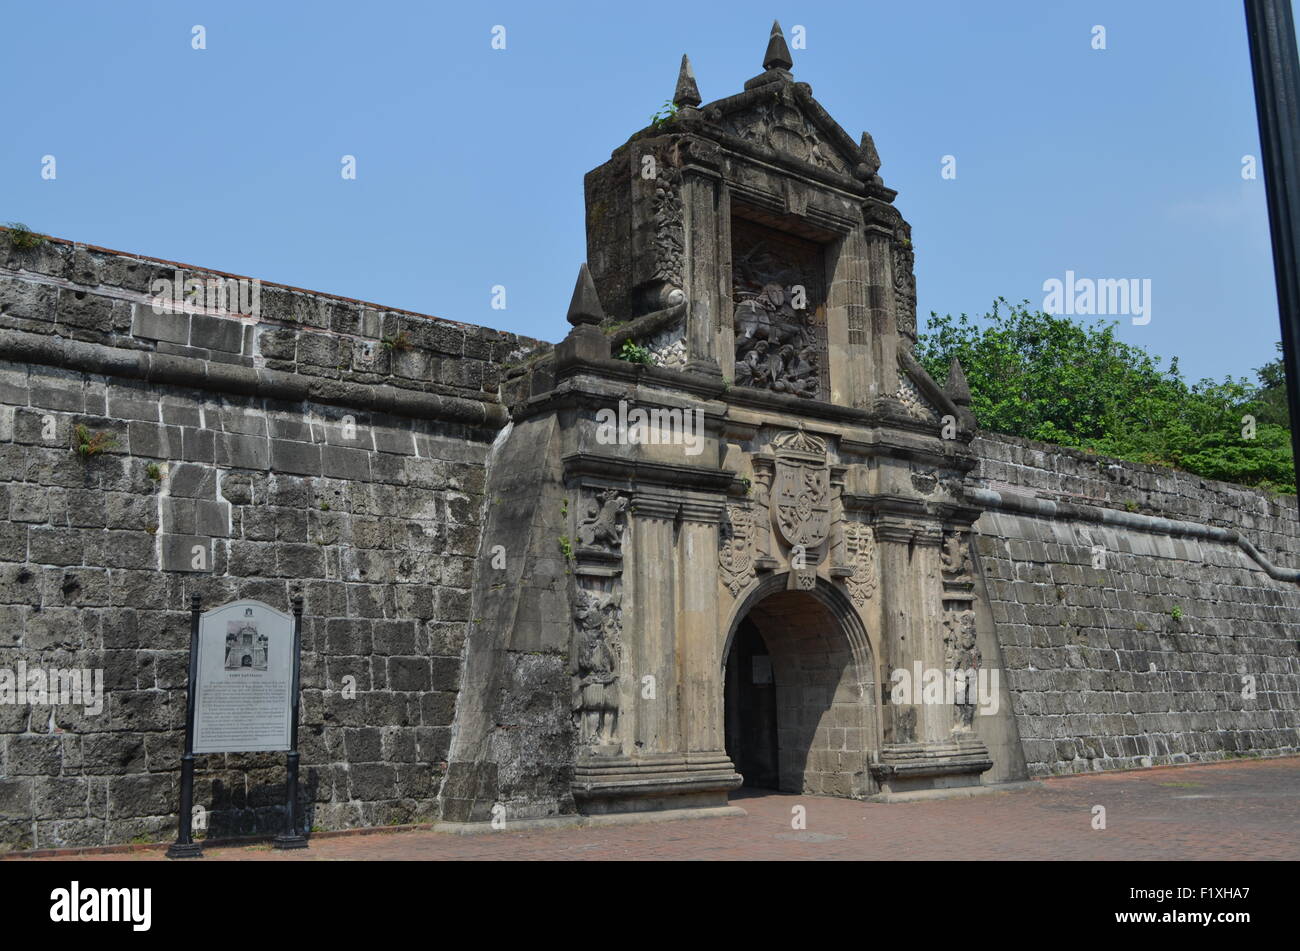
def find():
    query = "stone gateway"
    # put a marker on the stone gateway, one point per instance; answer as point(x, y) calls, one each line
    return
point(728, 531)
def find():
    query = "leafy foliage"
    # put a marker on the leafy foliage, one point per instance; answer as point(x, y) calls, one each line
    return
point(1046, 377)
point(87, 444)
point(23, 238)
point(633, 353)
point(666, 113)
point(396, 342)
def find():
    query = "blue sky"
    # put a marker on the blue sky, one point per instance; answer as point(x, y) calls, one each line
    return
point(1116, 163)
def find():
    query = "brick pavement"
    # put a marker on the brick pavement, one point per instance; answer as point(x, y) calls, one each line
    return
point(1239, 810)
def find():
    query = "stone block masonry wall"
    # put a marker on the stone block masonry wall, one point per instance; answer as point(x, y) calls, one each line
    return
point(1141, 660)
point(244, 456)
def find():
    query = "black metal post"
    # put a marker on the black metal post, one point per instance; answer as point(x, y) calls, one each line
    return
point(1270, 26)
point(185, 847)
point(291, 838)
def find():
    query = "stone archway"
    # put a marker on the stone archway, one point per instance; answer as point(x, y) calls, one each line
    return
point(800, 687)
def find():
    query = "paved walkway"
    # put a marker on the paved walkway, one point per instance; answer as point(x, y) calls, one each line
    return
point(1238, 810)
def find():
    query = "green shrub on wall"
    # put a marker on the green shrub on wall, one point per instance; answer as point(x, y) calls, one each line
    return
point(1045, 377)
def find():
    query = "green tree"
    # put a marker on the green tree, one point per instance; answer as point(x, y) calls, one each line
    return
point(1046, 377)
point(1272, 392)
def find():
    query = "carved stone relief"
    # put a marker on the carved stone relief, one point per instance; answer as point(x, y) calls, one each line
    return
point(860, 543)
point(779, 317)
point(736, 554)
point(668, 212)
point(912, 399)
point(954, 557)
point(904, 263)
point(668, 348)
point(962, 656)
point(598, 619)
point(801, 489)
point(925, 480)
point(597, 603)
point(602, 528)
point(782, 127)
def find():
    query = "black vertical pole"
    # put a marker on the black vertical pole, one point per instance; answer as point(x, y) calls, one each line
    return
point(1270, 26)
point(291, 838)
point(185, 847)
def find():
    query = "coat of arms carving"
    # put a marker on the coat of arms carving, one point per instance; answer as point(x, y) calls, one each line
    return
point(801, 489)
point(736, 555)
point(861, 544)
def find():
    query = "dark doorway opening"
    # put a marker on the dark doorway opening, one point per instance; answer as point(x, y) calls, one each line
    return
point(750, 699)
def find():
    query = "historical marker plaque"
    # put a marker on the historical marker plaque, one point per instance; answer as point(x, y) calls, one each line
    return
point(244, 695)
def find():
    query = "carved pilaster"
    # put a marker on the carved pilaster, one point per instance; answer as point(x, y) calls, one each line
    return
point(598, 622)
point(596, 598)
point(662, 283)
point(764, 554)
point(904, 264)
point(925, 734)
point(962, 661)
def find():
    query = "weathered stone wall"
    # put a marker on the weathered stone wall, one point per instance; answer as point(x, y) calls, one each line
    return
point(318, 444)
point(289, 450)
point(1143, 659)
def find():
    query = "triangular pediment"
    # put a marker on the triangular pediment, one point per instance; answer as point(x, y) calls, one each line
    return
point(782, 118)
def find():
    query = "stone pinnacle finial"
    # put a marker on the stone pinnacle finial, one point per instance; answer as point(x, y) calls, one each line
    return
point(870, 157)
point(957, 389)
point(585, 307)
point(687, 92)
point(778, 54)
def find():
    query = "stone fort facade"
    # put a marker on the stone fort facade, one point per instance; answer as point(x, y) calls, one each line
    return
point(547, 581)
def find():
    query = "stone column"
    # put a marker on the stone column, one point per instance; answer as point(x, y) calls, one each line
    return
point(921, 749)
point(848, 323)
point(699, 642)
point(650, 622)
point(703, 266)
point(724, 332)
point(882, 375)
point(912, 590)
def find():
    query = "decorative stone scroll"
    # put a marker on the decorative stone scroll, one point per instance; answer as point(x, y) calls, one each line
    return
point(912, 398)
